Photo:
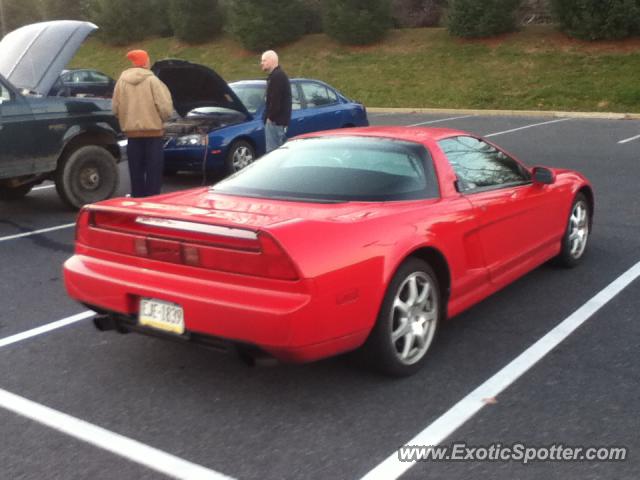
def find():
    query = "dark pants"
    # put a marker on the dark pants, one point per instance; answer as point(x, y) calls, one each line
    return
point(146, 165)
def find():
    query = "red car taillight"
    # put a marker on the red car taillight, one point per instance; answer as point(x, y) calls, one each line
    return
point(214, 247)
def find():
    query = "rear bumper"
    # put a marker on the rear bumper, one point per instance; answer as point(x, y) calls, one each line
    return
point(282, 323)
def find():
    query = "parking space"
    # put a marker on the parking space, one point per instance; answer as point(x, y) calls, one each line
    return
point(332, 419)
point(581, 398)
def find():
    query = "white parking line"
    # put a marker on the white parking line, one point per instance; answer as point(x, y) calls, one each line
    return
point(133, 450)
point(439, 120)
point(98, 436)
point(627, 140)
point(466, 408)
point(527, 126)
point(45, 328)
point(43, 187)
point(37, 232)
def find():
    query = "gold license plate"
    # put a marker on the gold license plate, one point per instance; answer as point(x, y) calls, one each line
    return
point(161, 315)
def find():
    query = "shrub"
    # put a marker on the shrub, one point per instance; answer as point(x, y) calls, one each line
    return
point(62, 9)
point(598, 19)
point(195, 21)
point(481, 18)
point(313, 16)
point(356, 22)
point(263, 24)
point(18, 13)
point(159, 22)
point(416, 13)
point(121, 21)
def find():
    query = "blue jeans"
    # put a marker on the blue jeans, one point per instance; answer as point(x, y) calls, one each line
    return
point(146, 165)
point(274, 135)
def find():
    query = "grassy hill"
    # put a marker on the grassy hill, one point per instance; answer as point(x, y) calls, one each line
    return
point(537, 68)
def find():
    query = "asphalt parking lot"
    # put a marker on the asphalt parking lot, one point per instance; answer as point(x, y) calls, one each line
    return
point(76, 403)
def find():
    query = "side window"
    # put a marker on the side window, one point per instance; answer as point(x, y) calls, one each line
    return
point(316, 95)
point(480, 165)
point(78, 77)
point(97, 77)
point(333, 98)
point(296, 102)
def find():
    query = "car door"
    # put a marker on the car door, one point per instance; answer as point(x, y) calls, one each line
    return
point(79, 84)
point(320, 108)
point(297, 114)
point(19, 151)
point(517, 218)
point(98, 84)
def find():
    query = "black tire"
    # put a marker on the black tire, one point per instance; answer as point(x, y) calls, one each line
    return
point(15, 193)
point(241, 153)
point(576, 235)
point(89, 174)
point(381, 350)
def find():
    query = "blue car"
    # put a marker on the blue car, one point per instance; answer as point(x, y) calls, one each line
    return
point(219, 126)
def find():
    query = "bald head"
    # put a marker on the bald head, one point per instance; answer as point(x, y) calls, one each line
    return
point(269, 61)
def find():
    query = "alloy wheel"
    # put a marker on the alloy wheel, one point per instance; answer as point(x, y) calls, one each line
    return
point(415, 316)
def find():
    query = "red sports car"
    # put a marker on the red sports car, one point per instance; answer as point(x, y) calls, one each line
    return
point(361, 238)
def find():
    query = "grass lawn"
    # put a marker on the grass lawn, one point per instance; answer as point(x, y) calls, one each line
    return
point(537, 68)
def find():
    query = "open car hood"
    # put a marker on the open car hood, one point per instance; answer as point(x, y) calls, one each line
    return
point(32, 57)
point(193, 85)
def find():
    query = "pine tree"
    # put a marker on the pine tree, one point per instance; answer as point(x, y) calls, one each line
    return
point(263, 24)
point(598, 19)
point(357, 22)
point(481, 18)
point(195, 21)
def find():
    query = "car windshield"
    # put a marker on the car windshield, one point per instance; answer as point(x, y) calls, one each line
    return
point(338, 169)
point(251, 95)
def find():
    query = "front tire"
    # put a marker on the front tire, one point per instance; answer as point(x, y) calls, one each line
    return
point(576, 236)
point(241, 154)
point(407, 322)
point(87, 175)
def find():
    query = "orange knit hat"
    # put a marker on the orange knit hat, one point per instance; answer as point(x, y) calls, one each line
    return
point(139, 58)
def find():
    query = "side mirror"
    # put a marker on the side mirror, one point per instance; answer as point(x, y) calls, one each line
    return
point(543, 175)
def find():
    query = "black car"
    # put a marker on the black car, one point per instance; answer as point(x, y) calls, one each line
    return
point(72, 141)
point(83, 82)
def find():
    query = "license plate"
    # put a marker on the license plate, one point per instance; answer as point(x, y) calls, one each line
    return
point(161, 315)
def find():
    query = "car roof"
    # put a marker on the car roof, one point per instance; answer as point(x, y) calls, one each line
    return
point(411, 134)
point(258, 81)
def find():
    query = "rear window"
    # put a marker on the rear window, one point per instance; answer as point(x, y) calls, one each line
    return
point(338, 169)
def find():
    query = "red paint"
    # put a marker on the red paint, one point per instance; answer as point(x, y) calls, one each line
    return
point(310, 282)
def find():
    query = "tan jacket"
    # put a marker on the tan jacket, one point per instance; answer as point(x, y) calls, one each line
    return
point(142, 103)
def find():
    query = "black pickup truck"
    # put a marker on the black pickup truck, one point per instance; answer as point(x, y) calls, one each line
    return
point(72, 141)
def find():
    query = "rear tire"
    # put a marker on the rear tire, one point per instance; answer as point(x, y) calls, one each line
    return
point(87, 175)
point(408, 321)
point(576, 236)
point(241, 154)
point(15, 193)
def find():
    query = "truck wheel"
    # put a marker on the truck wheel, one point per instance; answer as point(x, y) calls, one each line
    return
point(87, 175)
point(15, 193)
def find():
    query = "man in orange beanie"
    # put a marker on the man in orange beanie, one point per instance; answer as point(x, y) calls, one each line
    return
point(142, 103)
